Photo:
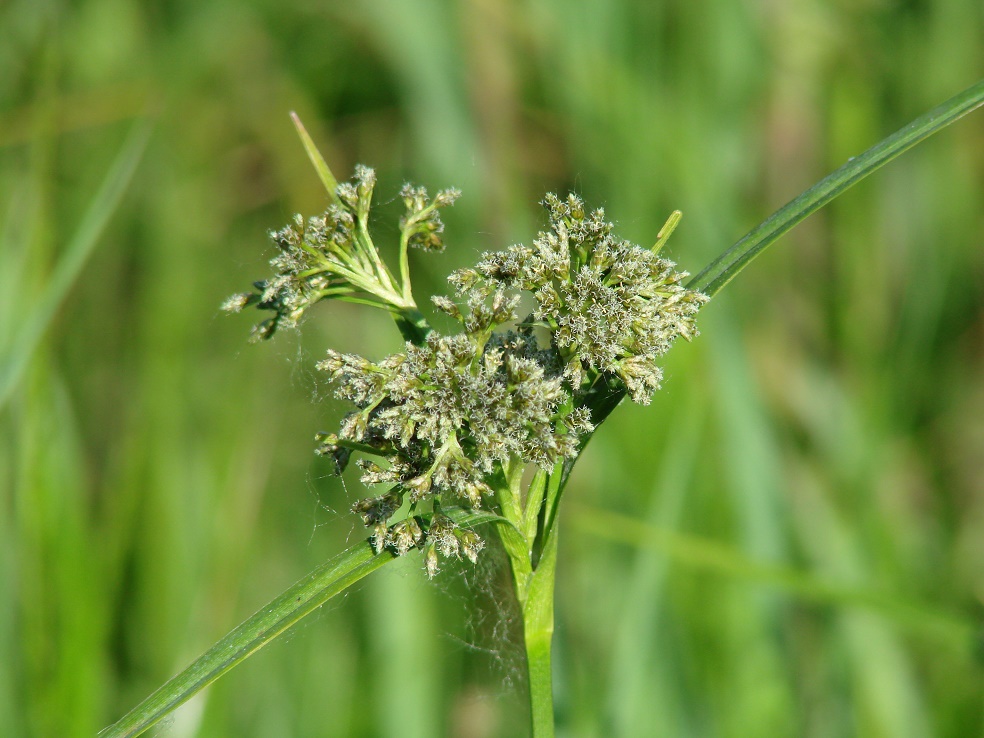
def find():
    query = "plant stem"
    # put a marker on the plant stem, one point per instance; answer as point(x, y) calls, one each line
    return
point(534, 583)
point(538, 641)
point(538, 628)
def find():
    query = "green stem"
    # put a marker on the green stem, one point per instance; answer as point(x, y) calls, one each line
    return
point(405, 264)
point(510, 492)
point(533, 505)
point(516, 544)
point(538, 628)
point(533, 576)
point(383, 275)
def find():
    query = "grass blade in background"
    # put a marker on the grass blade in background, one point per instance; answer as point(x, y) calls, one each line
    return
point(703, 553)
point(632, 700)
point(723, 269)
point(278, 616)
point(83, 243)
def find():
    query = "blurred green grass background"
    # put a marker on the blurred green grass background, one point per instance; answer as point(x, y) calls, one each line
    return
point(788, 542)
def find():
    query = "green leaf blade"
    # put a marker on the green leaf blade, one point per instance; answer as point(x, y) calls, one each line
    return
point(723, 269)
point(301, 599)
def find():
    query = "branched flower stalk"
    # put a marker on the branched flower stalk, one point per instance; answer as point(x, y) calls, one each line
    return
point(447, 429)
point(453, 423)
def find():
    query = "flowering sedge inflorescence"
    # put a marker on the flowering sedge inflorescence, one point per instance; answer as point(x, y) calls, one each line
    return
point(332, 255)
point(445, 421)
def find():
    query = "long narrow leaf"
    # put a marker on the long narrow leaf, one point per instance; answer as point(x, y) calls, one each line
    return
point(301, 599)
point(83, 243)
point(723, 269)
point(605, 398)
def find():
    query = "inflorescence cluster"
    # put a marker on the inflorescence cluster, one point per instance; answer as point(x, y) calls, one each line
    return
point(332, 255)
point(610, 306)
point(444, 421)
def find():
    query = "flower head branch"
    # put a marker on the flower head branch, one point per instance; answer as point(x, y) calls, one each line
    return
point(332, 256)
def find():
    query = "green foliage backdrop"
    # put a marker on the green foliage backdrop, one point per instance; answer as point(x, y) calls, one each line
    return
point(788, 542)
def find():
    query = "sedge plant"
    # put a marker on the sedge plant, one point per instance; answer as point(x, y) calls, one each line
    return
point(476, 433)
